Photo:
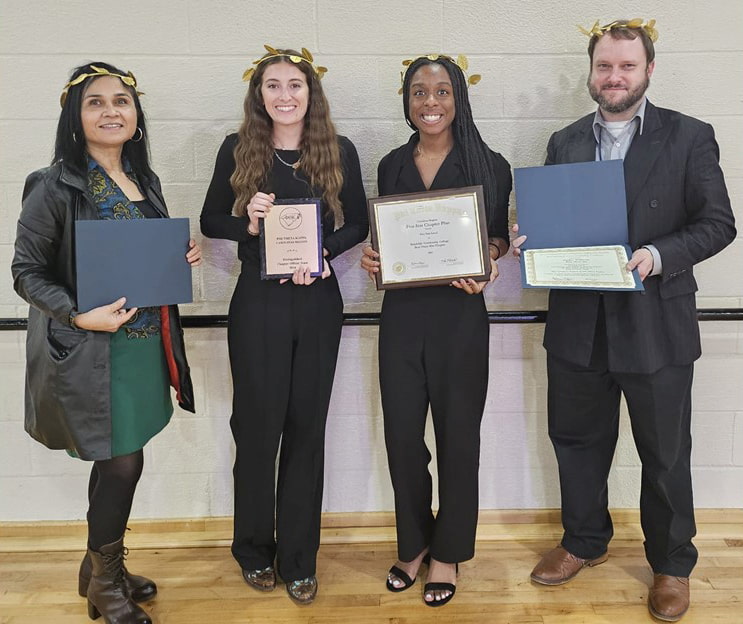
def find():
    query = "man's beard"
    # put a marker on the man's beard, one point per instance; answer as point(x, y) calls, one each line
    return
point(629, 100)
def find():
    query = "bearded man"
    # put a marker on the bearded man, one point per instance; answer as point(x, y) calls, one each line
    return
point(601, 345)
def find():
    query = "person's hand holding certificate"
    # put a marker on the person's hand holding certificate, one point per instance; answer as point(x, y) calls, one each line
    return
point(291, 238)
point(575, 219)
point(145, 260)
point(431, 238)
point(599, 267)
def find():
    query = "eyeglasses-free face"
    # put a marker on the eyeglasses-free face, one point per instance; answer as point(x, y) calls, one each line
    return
point(285, 94)
point(431, 100)
point(620, 75)
point(108, 113)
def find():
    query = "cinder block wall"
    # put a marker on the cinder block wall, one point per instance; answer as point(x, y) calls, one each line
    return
point(189, 56)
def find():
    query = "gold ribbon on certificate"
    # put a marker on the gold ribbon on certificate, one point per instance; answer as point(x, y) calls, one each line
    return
point(431, 238)
point(601, 267)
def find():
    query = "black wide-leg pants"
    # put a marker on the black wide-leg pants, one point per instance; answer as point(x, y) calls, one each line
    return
point(433, 350)
point(283, 345)
point(583, 416)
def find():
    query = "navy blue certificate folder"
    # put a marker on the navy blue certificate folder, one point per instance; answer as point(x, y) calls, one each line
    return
point(143, 260)
point(573, 205)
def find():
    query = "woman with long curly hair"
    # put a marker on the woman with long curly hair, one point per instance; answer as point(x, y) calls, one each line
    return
point(283, 334)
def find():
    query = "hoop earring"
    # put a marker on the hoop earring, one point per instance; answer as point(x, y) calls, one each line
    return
point(141, 136)
point(74, 138)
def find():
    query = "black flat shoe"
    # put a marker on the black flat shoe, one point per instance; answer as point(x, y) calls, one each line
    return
point(432, 587)
point(403, 576)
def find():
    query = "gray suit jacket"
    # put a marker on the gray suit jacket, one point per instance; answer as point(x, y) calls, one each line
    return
point(677, 201)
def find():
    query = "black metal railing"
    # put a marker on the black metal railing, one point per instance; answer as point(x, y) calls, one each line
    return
point(372, 318)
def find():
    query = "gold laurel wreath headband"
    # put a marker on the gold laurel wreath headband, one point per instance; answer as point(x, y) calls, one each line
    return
point(305, 56)
point(638, 22)
point(461, 62)
point(129, 80)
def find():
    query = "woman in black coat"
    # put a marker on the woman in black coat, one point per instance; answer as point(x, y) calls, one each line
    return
point(97, 382)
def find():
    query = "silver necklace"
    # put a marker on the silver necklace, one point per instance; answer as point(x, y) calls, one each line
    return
point(294, 165)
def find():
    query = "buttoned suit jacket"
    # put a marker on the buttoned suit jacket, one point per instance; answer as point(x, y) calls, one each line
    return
point(676, 200)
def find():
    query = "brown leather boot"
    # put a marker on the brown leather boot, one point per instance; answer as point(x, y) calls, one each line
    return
point(140, 588)
point(107, 592)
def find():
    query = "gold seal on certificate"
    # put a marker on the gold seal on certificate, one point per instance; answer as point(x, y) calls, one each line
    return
point(291, 236)
point(431, 238)
point(602, 267)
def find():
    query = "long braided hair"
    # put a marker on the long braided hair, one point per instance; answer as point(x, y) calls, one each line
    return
point(477, 160)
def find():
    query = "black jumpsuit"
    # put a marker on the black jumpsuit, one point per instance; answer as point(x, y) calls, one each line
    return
point(283, 345)
point(433, 350)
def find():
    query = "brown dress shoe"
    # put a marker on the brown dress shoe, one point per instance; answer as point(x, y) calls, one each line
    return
point(558, 566)
point(668, 599)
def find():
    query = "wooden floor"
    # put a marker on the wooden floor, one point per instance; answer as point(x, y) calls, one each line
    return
point(199, 581)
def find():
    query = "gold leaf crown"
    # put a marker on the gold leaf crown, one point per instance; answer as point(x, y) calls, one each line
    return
point(305, 56)
point(461, 62)
point(599, 31)
point(129, 80)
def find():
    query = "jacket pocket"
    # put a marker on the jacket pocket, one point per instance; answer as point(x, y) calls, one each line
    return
point(681, 284)
point(62, 341)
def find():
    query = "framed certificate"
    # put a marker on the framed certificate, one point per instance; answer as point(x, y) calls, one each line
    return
point(431, 238)
point(290, 237)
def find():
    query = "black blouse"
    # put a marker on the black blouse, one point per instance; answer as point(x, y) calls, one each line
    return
point(217, 220)
point(397, 173)
point(147, 209)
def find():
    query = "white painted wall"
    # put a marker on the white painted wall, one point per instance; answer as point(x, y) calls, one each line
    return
point(189, 56)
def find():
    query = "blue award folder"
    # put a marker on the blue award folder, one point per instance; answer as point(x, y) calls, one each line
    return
point(143, 260)
point(573, 205)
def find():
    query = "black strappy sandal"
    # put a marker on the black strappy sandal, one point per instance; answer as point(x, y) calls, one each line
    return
point(432, 587)
point(403, 576)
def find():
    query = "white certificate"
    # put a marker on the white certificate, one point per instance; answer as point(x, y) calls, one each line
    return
point(601, 268)
point(430, 238)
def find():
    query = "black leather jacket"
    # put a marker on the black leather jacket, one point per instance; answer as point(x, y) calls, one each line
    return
point(68, 397)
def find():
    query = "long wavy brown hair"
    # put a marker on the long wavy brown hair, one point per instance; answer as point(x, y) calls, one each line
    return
point(320, 158)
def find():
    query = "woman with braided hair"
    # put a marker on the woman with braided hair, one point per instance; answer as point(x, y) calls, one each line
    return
point(433, 341)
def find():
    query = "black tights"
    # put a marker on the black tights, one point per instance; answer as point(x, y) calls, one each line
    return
point(110, 494)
